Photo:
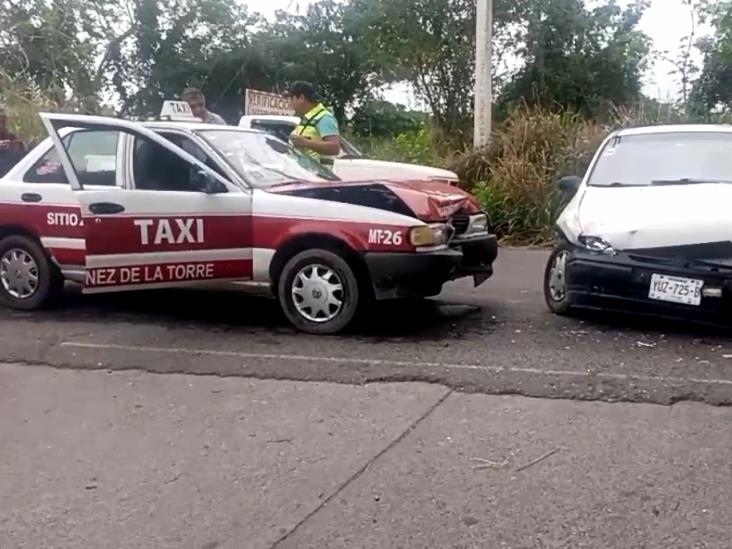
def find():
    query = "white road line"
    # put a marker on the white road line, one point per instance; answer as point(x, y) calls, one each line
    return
point(399, 363)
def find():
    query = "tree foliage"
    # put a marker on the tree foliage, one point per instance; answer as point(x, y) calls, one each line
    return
point(53, 45)
point(384, 119)
point(713, 89)
point(326, 46)
point(579, 57)
point(131, 55)
point(429, 43)
point(167, 45)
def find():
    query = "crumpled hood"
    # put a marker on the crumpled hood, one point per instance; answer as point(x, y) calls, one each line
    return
point(429, 201)
point(657, 216)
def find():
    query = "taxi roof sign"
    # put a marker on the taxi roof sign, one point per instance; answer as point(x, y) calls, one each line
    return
point(177, 110)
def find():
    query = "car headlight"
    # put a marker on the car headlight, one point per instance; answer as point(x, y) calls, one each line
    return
point(596, 244)
point(430, 235)
point(478, 225)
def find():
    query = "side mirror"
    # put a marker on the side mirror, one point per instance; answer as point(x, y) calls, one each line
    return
point(208, 184)
point(569, 184)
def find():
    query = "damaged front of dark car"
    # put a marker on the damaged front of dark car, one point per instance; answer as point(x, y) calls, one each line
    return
point(648, 229)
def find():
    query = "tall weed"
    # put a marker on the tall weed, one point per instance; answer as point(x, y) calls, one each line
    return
point(515, 178)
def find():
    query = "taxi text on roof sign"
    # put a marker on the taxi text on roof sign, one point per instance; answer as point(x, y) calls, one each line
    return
point(259, 102)
point(177, 110)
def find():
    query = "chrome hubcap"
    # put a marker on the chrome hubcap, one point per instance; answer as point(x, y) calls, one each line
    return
point(317, 292)
point(19, 273)
point(557, 277)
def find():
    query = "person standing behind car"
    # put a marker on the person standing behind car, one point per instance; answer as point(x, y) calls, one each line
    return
point(317, 134)
point(197, 101)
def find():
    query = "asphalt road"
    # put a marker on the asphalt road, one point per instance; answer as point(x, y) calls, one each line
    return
point(495, 339)
point(251, 457)
point(132, 460)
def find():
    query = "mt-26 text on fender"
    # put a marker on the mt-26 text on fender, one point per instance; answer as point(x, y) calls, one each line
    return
point(117, 205)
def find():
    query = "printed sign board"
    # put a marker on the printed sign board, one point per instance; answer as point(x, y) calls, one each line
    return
point(259, 102)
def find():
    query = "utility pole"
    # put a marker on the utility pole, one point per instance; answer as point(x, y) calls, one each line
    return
point(483, 64)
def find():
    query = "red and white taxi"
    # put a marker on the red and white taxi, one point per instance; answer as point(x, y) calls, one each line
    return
point(119, 205)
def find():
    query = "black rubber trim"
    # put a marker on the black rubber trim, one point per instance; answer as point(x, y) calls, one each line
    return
point(621, 283)
point(395, 275)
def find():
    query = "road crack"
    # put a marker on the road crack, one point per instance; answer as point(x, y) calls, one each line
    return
point(355, 476)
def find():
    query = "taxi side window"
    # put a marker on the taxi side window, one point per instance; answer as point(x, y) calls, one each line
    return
point(93, 154)
point(155, 168)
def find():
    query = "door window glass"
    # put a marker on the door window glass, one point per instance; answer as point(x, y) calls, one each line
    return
point(93, 154)
point(155, 168)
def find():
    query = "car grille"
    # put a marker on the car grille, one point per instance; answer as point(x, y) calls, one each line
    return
point(460, 223)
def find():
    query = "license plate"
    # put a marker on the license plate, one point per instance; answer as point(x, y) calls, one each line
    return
point(674, 289)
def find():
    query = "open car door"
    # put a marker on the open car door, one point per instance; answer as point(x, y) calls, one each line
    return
point(175, 220)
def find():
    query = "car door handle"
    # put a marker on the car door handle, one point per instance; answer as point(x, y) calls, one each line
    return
point(31, 197)
point(106, 208)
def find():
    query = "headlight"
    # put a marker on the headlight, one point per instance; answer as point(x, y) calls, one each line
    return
point(478, 225)
point(597, 244)
point(430, 235)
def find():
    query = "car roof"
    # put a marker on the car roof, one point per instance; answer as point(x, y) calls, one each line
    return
point(272, 117)
point(676, 128)
point(195, 126)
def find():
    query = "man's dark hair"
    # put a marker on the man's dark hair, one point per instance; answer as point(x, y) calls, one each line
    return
point(303, 89)
point(191, 93)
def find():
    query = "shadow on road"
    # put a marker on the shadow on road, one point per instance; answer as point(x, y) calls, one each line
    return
point(649, 324)
point(415, 320)
point(224, 311)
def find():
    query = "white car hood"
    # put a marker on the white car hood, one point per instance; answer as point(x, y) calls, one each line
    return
point(654, 216)
point(366, 168)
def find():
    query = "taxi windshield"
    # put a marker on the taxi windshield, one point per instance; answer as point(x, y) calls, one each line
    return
point(263, 160)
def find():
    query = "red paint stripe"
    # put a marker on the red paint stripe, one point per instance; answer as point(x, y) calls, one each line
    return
point(68, 256)
point(64, 220)
point(120, 235)
point(168, 272)
point(274, 232)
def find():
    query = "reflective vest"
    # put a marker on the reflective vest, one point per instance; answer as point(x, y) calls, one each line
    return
point(308, 128)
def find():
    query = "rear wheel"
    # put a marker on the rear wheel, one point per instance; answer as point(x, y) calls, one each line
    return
point(28, 280)
point(318, 292)
point(555, 280)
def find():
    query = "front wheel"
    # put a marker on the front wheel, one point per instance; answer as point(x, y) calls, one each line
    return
point(28, 280)
point(555, 280)
point(318, 292)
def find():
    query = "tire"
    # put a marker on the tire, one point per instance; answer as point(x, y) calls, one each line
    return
point(330, 271)
point(555, 282)
point(18, 253)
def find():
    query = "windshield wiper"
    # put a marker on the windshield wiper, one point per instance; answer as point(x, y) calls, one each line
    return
point(689, 181)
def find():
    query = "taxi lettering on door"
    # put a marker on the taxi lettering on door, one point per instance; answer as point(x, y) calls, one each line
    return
point(169, 250)
point(170, 231)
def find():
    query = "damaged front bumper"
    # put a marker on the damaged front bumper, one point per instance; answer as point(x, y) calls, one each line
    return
point(636, 281)
point(422, 274)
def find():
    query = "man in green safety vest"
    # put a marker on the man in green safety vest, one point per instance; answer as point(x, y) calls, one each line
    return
point(317, 133)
